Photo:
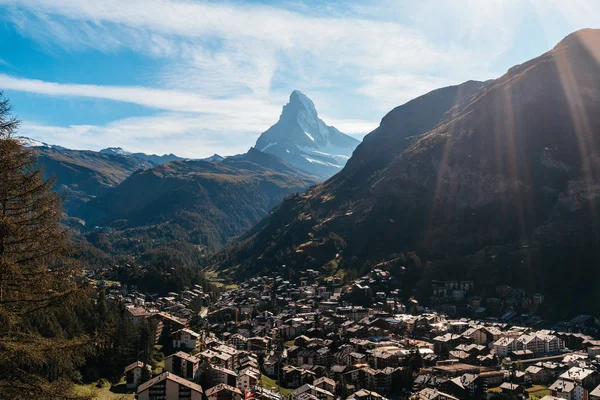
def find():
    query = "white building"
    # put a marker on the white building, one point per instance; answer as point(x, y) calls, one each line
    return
point(185, 338)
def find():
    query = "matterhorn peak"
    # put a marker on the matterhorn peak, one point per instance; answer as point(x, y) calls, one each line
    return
point(300, 107)
point(297, 98)
point(303, 140)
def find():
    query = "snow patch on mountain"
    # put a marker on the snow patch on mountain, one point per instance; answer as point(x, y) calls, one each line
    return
point(267, 146)
point(29, 142)
point(312, 160)
point(115, 150)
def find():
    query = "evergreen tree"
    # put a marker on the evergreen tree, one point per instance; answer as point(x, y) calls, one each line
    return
point(36, 277)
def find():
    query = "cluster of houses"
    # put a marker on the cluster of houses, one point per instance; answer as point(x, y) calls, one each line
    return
point(508, 304)
point(271, 338)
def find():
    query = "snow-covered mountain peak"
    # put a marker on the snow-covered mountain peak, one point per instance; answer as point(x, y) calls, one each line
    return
point(300, 102)
point(302, 139)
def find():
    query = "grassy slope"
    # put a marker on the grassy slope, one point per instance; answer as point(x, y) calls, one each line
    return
point(271, 384)
point(117, 392)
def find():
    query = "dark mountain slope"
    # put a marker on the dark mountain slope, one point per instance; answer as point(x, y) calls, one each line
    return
point(211, 202)
point(508, 173)
point(399, 128)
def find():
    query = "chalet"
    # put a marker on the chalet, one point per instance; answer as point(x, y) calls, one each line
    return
point(512, 389)
point(238, 341)
point(504, 345)
point(166, 324)
point(224, 392)
point(230, 353)
point(223, 375)
point(445, 343)
point(491, 379)
point(365, 395)
point(325, 383)
point(537, 375)
point(185, 338)
point(567, 390)
point(169, 386)
point(271, 366)
point(582, 376)
point(183, 364)
point(258, 345)
point(133, 373)
point(248, 378)
point(319, 393)
point(292, 376)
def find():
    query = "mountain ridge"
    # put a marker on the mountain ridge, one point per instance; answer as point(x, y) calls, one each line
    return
point(154, 158)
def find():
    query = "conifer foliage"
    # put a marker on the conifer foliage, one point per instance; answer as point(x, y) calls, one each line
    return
point(37, 278)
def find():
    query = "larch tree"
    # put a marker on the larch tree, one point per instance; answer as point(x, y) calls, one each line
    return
point(37, 276)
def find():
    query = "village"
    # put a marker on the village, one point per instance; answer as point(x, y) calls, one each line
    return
point(270, 338)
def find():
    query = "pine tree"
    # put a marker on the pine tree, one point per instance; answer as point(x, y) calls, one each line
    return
point(36, 276)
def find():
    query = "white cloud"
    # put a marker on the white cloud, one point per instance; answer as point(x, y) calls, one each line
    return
point(163, 99)
point(231, 49)
point(184, 135)
point(353, 127)
point(403, 86)
point(225, 69)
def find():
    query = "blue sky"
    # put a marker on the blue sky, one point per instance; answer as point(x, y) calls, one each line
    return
point(196, 78)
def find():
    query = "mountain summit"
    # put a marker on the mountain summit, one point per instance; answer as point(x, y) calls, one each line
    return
point(303, 140)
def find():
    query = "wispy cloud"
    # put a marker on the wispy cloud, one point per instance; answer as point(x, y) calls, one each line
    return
point(242, 46)
point(184, 135)
point(163, 99)
point(234, 123)
point(223, 70)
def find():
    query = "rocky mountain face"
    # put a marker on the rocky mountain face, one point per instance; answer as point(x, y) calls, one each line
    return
point(203, 203)
point(304, 141)
point(495, 182)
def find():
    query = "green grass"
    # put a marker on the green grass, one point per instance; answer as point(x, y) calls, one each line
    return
point(107, 392)
point(217, 278)
point(271, 384)
point(160, 365)
point(537, 392)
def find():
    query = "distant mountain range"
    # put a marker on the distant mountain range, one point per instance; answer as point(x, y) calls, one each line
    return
point(495, 182)
point(83, 174)
point(304, 141)
point(297, 160)
point(211, 201)
point(201, 202)
point(153, 158)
